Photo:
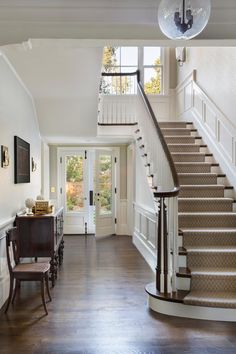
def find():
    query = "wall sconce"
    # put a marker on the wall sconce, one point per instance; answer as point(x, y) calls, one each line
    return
point(33, 165)
point(5, 159)
point(180, 54)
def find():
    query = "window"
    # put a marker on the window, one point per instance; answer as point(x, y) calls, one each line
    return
point(128, 59)
point(116, 60)
point(152, 70)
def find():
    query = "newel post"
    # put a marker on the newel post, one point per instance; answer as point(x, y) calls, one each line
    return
point(162, 249)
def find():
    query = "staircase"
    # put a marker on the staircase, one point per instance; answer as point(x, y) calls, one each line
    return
point(207, 221)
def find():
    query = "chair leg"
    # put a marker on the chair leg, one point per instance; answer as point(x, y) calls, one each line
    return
point(43, 295)
point(17, 286)
point(10, 293)
point(47, 286)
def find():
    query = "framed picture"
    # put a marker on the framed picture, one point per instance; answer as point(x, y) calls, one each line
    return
point(22, 160)
point(4, 157)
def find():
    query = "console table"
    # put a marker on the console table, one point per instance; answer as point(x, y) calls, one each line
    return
point(42, 236)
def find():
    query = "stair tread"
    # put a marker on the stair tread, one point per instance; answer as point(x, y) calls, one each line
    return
point(190, 153)
point(208, 213)
point(206, 186)
point(194, 163)
point(218, 199)
point(210, 249)
point(209, 230)
point(213, 271)
point(183, 136)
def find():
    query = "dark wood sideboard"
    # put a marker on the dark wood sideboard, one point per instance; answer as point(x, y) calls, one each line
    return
point(42, 236)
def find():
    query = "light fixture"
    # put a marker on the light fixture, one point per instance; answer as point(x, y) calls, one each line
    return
point(183, 19)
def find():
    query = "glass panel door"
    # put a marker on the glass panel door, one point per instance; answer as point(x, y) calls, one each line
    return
point(104, 197)
point(75, 195)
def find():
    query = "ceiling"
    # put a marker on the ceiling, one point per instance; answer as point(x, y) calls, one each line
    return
point(99, 19)
point(64, 82)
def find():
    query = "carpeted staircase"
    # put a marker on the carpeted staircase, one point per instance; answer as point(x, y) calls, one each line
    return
point(207, 220)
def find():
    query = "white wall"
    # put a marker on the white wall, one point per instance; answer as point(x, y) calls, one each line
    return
point(216, 75)
point(17, 117)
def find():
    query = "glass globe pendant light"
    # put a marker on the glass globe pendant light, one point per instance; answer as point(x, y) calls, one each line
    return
point(183, 19)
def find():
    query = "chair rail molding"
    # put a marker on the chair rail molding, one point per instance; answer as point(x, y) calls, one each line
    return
point(218, 132)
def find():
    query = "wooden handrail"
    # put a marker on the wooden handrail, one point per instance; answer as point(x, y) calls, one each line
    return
point(158, 193)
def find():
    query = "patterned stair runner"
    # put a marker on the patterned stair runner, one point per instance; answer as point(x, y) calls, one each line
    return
point(207, 221)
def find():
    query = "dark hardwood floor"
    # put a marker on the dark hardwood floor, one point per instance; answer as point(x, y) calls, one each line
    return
point(99, 307)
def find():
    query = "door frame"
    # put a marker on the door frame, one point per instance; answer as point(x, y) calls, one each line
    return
point(116, 151)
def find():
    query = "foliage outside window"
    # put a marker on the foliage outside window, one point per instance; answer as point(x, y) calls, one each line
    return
point(129, 59)
point(75, 183)
point(105, 184)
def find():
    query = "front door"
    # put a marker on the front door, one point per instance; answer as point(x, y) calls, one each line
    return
point(105, 193)
point(75, 192)
point(88, 191)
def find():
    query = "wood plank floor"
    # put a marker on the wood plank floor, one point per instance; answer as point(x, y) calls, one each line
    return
point(99, 307)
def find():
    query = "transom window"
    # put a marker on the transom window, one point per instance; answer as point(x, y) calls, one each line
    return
point(128, 59)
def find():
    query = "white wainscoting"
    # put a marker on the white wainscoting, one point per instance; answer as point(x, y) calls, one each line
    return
point(122, 225)
point(4, 274)
point(145, 234)
point(217, 130)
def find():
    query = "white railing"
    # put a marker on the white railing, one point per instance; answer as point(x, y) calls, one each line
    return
point(163, 179)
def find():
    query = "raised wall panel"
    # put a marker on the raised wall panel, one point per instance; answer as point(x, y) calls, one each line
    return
point(180, 103)
point(226, 140)
point(188, 97)
point(152, 233)
point(198, 103)
point(143, 230)
point(210, 119)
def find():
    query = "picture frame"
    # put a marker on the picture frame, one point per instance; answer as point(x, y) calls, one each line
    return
point(21, 160)
point(5, 160)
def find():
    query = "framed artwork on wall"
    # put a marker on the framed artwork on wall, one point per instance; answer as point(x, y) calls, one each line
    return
point(22, 160)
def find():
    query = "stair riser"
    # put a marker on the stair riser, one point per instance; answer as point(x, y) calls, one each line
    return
point(203, 193)
point(213, 283)
point(195, 240)
point(211, 260)
point(183, 149)
point(188, 168)
point(178, 131)
point(206, 221)
point(182, 140)
point(183, 283)
point(182, 125)
point(182, 261)
point(198, 180)
point(205, 206)
point(188, 158)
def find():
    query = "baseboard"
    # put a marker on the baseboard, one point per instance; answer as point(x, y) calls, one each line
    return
point(189, 311)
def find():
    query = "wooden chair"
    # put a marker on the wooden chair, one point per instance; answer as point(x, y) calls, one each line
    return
point(24, 271)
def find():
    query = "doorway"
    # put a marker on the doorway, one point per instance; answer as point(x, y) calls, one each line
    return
point(88, 190)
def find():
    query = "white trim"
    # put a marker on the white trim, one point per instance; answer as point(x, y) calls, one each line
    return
point(189, 311)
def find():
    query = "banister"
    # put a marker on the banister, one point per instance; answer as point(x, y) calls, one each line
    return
point(158, 193)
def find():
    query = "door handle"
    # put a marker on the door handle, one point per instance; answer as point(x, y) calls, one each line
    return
point(91, 201)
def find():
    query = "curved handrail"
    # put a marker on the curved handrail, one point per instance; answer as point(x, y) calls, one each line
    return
point(159, 193)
